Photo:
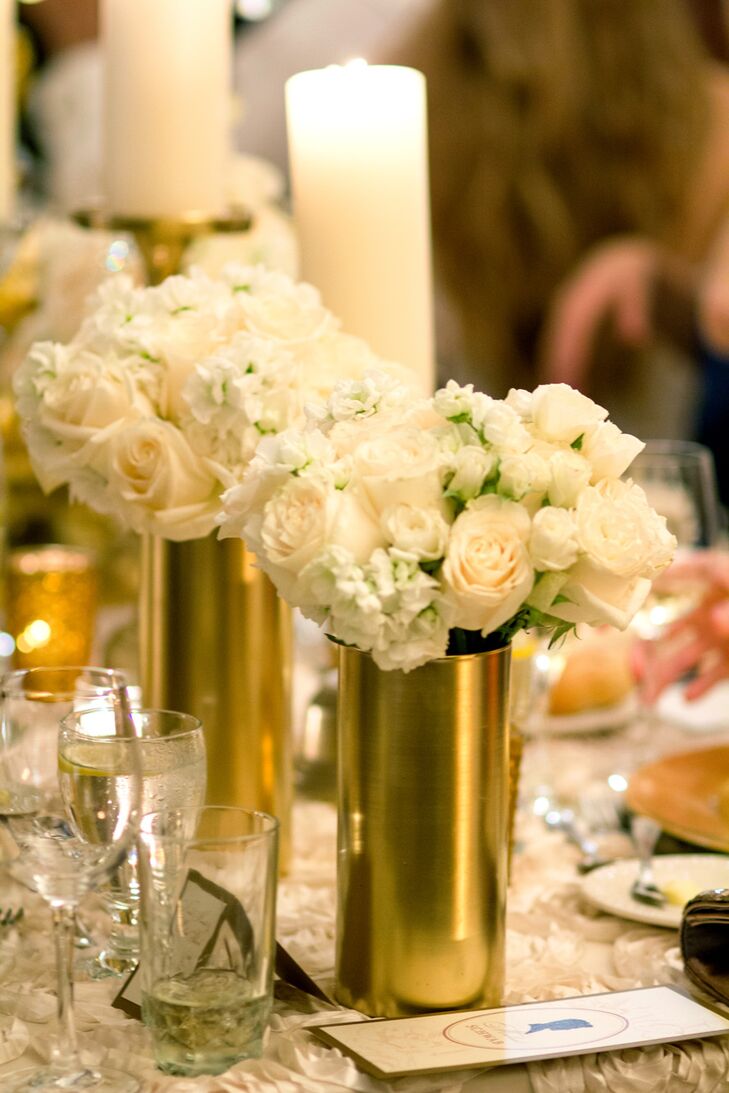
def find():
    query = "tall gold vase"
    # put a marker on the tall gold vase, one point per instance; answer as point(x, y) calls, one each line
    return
point(422, 833)
point(216, 641)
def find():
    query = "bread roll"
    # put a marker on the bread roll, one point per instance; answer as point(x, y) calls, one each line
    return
point(596, 673)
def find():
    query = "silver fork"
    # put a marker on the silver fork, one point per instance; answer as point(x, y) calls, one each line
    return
point(564, 819)
point(645, 833)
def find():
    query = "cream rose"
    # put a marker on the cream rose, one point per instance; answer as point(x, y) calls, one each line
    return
point(421, 533)
point(279, 309)
point(553, 539)
point(403, 464)
point(592, 595)
point(163, 486)
point(297, 522)
point(520, 475)
point(619, 531)
point(473, 465)
point(570, 474)
point(83, 397)
point(609, 451)
point(562, 414)
point(487, 573)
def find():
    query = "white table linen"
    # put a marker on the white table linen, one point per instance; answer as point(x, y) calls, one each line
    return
point(557, 946)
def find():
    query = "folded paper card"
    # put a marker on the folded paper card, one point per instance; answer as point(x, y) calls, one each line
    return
point(525, 1033)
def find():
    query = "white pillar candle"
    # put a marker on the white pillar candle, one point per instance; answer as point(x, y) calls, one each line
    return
point(359, 175)
point(168, 66)
point(7, 110)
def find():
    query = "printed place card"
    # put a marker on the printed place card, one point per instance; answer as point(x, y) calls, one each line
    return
point(525, 1033)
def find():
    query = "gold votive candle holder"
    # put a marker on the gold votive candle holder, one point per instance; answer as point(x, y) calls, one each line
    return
point(52, 595)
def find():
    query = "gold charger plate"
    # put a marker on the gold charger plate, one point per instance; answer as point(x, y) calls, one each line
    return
point(681, 792)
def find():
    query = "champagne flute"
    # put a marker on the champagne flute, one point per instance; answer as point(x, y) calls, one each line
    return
point(47, 855)
point(94, 771)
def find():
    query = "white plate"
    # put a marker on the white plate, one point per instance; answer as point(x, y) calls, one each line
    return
point(601, 719)
point(609, 886)
point(707, 714)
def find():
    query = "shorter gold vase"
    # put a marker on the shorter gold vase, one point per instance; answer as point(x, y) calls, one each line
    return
point(422, 834)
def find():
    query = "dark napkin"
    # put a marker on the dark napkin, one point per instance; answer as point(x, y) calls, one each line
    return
point(705, 942)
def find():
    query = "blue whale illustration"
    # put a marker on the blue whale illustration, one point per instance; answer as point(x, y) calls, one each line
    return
point(565, 1023)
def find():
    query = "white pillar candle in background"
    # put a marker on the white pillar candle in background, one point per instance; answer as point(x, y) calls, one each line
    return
point(358, 160)
point(168, 66)
point(7, 110)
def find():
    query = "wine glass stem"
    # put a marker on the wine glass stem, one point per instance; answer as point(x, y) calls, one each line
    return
point(65, 1050)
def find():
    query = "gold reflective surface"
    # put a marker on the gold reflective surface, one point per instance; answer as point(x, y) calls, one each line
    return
point(216, 641)
point(52, 594)
point(423, 833)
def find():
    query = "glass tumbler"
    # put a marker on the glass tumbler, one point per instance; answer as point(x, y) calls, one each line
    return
point(207, 932)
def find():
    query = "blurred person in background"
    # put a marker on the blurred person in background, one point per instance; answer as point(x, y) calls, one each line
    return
point(579, 175)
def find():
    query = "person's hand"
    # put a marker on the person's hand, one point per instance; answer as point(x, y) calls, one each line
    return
point(699, 641)
point(614, 282)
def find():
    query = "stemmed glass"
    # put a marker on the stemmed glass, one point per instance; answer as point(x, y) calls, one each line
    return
point(49, 856)
point(93, 772)
point(679, 480)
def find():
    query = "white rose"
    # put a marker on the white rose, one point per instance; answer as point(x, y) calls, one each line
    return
point(570, 475)
point(85, 396)
point(165, 488)
point(285, 311)
point(609, 451)
point(354, 528)
point(401, 464)
point(421, 533)
point(306, 516)
point(487, 572)
point(521, 402)
point(502, 427)
point(619, 531)
point(562, 414)
point(553, 540)
point(473, 465)
point(523, 474)
point(297, 522)
point(595, 597)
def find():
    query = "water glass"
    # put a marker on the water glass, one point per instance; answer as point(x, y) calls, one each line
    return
point(44, 852)
point(679, 480)
point(207, 927)
point(93, 774)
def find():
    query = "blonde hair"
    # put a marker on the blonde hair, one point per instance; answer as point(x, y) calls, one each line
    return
point(554, 123)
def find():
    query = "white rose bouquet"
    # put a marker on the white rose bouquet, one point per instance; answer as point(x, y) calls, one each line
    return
point(158, 402)
point(412, 529)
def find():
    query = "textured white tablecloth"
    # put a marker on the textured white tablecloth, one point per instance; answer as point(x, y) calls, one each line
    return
point(557, 946)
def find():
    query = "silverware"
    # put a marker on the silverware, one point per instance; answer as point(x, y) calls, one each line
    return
point(645, 833)
point(564, 819)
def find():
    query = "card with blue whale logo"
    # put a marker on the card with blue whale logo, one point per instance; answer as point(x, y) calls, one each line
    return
point(515, 1034)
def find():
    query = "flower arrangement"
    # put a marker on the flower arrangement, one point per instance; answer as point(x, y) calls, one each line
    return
point(416, 528)
point(159, 400)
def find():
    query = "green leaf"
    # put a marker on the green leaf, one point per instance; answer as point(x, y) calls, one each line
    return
point(577, 444)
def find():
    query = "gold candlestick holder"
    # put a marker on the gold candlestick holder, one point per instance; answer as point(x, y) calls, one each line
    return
point(162, 241)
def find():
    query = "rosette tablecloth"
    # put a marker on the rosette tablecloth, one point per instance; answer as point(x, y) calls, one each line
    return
point(557, 946)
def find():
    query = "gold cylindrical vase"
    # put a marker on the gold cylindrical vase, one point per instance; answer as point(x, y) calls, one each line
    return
point(215, 640)
point(422, 833)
